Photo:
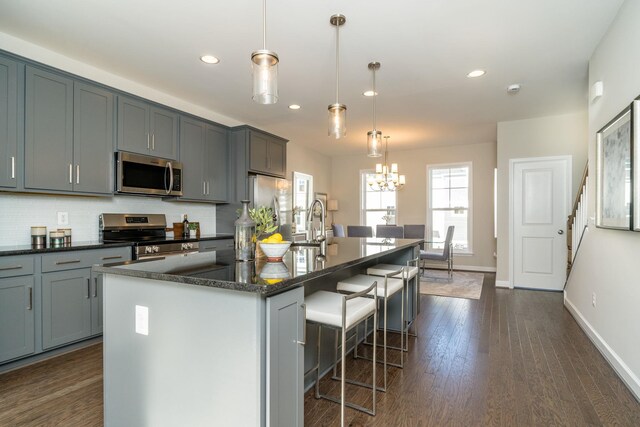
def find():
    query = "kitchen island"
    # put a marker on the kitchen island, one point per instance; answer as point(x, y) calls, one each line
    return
point(204, 340)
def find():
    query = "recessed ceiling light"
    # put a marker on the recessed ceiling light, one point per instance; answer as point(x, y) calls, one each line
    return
point(209, 59)
point(476, 73)
point(370, 93)
point(294, 107)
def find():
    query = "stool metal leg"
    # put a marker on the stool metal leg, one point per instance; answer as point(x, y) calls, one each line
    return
point(318, 362)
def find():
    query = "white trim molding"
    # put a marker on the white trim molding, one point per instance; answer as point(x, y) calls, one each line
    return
point(504, 284)
point(618, 365)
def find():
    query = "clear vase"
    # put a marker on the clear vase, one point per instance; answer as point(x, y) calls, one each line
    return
point(245, 237)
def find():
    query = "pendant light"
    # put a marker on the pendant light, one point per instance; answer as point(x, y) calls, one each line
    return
point(374, 136)
point(264, 68)
point(337, 111)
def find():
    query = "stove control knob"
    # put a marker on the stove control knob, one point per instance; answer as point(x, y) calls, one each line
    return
point(156, 249)
point(148, 250)
point(186, 246)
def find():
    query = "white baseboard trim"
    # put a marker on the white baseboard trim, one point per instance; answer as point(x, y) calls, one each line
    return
point(503, 284)
point(462, 268)
point(618, 365)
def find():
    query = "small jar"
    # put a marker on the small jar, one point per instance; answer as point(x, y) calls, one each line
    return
point(56, 239)
point(67, 235)
point(39, 236)
point(245, 236)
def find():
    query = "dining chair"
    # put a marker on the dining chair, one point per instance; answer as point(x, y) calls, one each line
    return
point(444, 254)
point(338, 230)
point(359, 231)
point(414, 231)
point(394, 231)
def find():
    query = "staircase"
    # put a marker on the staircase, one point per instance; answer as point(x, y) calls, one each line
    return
point(577, 221)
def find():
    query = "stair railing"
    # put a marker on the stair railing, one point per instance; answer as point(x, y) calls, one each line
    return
point(577, 221)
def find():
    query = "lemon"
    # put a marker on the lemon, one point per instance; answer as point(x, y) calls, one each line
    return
point(273, 281)
point(276, 237)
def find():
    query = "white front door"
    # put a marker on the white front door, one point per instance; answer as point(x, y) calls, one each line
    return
point(540, 205)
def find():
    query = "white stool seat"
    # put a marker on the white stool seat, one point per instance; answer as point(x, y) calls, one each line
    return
point(326, 308)
point(362, 281)
point(382, 269)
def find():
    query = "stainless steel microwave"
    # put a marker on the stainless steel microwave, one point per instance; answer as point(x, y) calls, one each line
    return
point(138, 174)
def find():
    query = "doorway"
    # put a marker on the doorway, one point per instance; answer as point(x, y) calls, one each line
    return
point(540, 191)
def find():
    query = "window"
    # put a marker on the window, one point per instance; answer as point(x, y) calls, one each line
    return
point(377, 207)
point(302, 198)
point(449, 203)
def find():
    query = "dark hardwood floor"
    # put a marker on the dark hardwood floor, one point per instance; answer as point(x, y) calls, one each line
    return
point(512, 358)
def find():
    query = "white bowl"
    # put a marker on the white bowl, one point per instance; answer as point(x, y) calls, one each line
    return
point(274, 270)
point(274, 251)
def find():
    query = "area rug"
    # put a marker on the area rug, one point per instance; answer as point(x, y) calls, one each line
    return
point(462, 285)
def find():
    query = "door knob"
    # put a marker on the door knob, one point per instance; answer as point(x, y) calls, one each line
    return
point(560, 231)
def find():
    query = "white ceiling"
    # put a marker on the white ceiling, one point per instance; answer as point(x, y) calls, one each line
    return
point(426, 48)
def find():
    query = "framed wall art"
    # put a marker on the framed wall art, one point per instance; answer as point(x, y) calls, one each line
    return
point(613, 173)
point(635, 164)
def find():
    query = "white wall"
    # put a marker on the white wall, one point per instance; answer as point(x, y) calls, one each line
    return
point(540, 137)
point(607, 261)
point(412, 199)
point(18, 212)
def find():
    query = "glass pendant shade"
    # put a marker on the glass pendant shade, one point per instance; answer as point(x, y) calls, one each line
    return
point(378, 167)
point(394, 168)
point(337, 120)
point(264, 67)
point(403, 180)
point(374, 143)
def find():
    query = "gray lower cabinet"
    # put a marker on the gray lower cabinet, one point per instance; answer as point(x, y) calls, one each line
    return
point(17, 328)
point(215, 245)
point(147, 129)
point(96, 303)
point(285, 358)
point(66, 307)
point(68, 135)
point(48, 147)
point(204, 156)
point(10, 166)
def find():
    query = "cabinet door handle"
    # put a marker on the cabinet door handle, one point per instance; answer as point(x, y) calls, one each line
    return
point(95, 289)
point(111, 257)
point(77, 174)
point(73, 261)
point(204, 187)
point(304, 325)
point(148, 146)
point(70, 173)
point(153, 142)
point(13, 167)
point(30, 306)
point(12, 267)
point(88, 288)
point(208, 188)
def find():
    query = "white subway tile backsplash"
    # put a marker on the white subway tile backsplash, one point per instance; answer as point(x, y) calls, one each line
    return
point(18, 212)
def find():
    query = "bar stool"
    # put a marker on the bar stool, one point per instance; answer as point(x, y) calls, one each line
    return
point(410, 272)
point(389, 287)
point(342, 312)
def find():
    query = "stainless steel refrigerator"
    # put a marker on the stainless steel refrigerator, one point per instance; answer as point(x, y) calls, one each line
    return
point(277, 194)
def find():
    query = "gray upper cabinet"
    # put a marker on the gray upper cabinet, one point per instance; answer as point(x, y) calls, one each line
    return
point(267, 154)
point(146, 129)
point(10, 167)
point(192, 157)
point(217, 166)
point(17, 331)
point(93, 139)
point(204, 154)
point(48, 131)
point(68, 135)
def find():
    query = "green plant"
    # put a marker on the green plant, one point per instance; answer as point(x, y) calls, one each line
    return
point(265, 221)
point(193, 226)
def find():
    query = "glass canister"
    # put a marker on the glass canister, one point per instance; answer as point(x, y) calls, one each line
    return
point(245, 236)
point(56, 239)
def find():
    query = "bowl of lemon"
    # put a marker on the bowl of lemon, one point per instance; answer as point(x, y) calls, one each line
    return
point(274, 247)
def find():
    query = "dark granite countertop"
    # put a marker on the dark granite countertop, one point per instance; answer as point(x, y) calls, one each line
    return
point(75, 246)
point(219, 269)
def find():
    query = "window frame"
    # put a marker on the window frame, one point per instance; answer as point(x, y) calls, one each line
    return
point(430, 167)
point(363, 187)
point(310, 194)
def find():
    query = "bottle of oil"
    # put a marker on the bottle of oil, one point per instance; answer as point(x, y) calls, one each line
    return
point(185, 227)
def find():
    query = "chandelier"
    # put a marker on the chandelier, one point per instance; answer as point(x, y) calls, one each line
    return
point(387, 178)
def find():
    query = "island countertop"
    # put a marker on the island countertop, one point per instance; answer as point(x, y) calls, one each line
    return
point(218, 269)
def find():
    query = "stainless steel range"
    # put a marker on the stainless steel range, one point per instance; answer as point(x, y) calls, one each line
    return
point(147, 233)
